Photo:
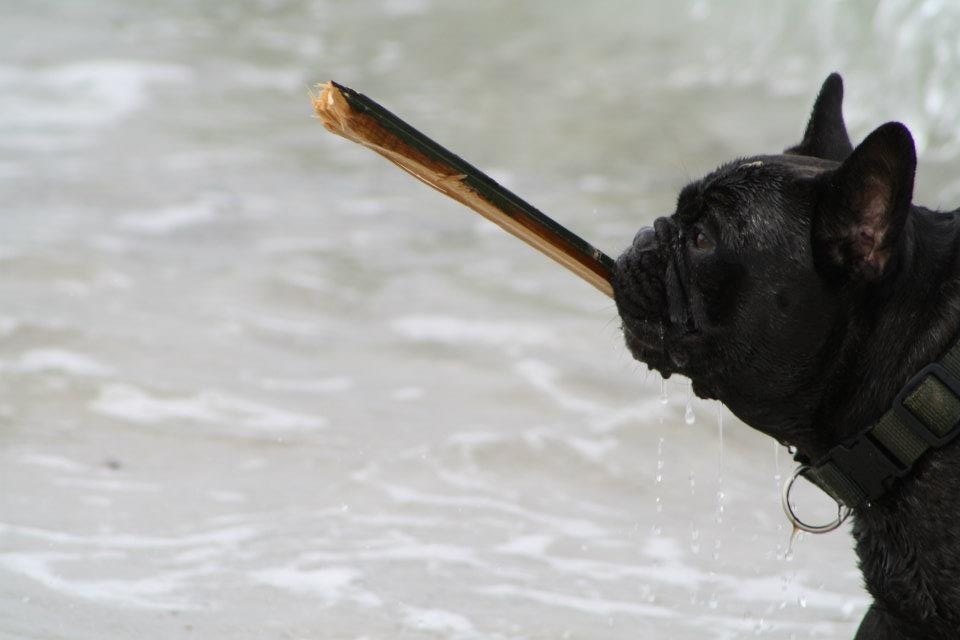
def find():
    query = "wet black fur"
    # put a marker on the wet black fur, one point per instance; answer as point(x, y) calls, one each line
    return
point(818, 290)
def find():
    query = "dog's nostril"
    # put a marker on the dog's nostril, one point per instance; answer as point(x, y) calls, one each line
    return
point(645, 240)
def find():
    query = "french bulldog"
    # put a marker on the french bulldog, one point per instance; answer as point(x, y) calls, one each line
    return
point(803, 290)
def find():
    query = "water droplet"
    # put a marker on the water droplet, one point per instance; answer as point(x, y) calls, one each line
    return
point(693, 483)
point(688, 415)
point(712, 602)
point(663, 392)
point(776, 466)
point(659, 476)
point(794, 537)
point(759, 628)
point(802, 601)
point(720, 437)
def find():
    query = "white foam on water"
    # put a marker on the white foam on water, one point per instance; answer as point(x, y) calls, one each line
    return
point(164, 221)
point(532, 545)
point(81, 94)
point(54, 462)
point(437, 620)
point(663, 548)
point(676, 574)
point(543, 377)
point(463, 331)
point(406, 549)
point(774, 589)
point(225, 537)
point(60, 361)
point(132, 404)
point(573, 527)
point(670, 569)
point(107, 484)
point(595, 606)
point(331, 584)
point(592, 450)
point(391, 520)
point(153, 592)
point(135, 405)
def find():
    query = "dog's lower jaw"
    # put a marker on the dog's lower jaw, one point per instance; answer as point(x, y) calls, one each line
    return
point(650, 348)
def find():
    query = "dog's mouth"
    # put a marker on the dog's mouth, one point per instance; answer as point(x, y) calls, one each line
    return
point(662, 348)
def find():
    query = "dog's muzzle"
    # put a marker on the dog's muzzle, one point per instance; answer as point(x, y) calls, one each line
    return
point(641, 299)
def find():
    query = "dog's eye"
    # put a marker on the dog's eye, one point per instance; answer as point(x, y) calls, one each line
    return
point(702, 241)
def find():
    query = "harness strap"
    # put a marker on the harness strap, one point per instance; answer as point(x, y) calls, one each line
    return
point(924, 416)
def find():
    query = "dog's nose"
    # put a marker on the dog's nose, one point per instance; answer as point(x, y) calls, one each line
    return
point(645, 240)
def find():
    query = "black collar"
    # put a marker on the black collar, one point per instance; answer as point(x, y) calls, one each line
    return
point(924, 416)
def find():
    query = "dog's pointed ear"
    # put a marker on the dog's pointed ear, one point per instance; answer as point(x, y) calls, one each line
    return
point(864, 204)
point(826, 135)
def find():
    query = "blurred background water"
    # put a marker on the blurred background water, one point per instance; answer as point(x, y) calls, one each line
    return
point(257, 383)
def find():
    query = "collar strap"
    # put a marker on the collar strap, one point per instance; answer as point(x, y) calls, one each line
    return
point(925, 415)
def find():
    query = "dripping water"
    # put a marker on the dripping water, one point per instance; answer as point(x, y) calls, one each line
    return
point(720, 493)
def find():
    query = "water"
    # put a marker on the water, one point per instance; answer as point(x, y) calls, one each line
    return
point(256, 382)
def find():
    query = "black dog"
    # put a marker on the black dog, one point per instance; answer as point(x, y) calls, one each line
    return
point(804, 290)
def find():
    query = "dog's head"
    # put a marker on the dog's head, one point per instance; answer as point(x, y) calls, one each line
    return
point(747, 287)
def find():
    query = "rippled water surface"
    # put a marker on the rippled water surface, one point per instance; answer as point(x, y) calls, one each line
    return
point(256, 382)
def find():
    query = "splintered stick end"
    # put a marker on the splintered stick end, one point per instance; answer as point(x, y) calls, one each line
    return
point(330, 106)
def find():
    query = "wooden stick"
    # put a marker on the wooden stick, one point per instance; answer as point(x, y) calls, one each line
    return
point(360, 119)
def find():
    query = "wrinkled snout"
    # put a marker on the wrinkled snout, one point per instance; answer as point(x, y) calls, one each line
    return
point(637, 284)
point(650, 296)
point(645, 240)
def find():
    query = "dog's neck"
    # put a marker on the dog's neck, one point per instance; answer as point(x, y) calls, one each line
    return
point(900, 537)
point(871, 357)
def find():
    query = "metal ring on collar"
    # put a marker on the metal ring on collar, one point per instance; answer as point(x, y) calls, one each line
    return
point(843, 512)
